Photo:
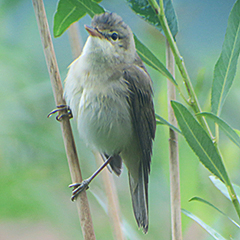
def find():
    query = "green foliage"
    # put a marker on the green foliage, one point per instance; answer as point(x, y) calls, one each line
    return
point(145, 11)
point(211, 205)
point(225, 67)
point(149, 58)
point(209, 229)
point(228, 130)
point(222, 187)
point(162, 121)
point(70, 11)
point(199, 141)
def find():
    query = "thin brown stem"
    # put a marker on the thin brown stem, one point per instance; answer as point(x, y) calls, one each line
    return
point(81, 201)
point(113, 203)
point(75, 40)
point(173, 154)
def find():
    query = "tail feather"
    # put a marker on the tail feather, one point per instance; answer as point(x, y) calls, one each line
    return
point(139, 193)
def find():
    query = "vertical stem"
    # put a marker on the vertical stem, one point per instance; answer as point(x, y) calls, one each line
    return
point(110, 189)
point(173, 154)
point(81, 200)
point(113, 203)
point(75, 40)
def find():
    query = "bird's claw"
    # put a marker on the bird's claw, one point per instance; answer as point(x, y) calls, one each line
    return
point(61, 108)
point(78, 188)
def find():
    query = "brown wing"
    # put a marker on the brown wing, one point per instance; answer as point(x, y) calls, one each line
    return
point(143, 119)
point(142, 110)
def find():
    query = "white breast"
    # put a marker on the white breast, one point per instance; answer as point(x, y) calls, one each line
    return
point(100, 107)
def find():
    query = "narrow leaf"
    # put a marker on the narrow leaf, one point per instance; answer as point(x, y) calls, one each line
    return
point(227, 129)
point(225, 67)
point(90, 6)
point(223, 189)
point(149, 58)
point(209, 229)
point(162, 121)
point(199, 141)
point(66, 14)
point(70, 11)
point(238, 132)
point(145, 11)
point(211, 205)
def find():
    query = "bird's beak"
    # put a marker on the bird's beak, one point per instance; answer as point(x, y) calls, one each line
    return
point(93, 32)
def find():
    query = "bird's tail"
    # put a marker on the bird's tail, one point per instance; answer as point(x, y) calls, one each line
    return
point(139, 193)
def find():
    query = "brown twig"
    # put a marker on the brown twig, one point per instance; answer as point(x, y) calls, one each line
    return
point(75, 40)
point(81, 200)
point(113, 204)
point(173, 154)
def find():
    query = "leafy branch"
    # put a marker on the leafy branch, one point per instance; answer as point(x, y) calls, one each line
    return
point(192, 101)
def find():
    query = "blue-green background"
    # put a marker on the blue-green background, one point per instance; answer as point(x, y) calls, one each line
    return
point(34, 197)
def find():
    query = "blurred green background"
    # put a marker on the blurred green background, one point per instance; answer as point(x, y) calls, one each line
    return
point(34, 197)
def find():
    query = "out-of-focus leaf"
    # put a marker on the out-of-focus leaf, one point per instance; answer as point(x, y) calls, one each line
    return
point(228, 130)
point(200, 142)
point(223, 189)
point(238, 132)
point(162, 121)
point(70, 11)
point(209, 229)
point(225, 67)
point(211, 205)
point(149, 58)
point(145, 11)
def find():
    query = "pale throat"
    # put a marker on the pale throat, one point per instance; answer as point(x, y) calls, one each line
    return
point(102, 54)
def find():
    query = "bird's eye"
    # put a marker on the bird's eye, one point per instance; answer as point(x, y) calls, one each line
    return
point(114, 36)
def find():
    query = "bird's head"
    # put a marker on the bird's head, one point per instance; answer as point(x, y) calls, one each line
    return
point(111, 38)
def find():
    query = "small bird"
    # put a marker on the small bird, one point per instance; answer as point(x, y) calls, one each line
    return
point(109, 92)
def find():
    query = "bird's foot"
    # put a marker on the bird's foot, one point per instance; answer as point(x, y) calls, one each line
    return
point(68, 112)
point(79, 187)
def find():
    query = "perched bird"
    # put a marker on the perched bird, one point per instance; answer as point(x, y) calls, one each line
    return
point(109, 93)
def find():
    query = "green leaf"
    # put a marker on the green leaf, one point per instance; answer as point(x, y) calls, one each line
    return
point(200, 142)
point(209, 229)
point(92, 8)
point(211, 205)
point(145, 11)
point(162, 121)
point(225, 67)
point(228, 130)
point(66, 14)
point(70, 11)
point(238, 132)
point(223, 189)
point(149, 58)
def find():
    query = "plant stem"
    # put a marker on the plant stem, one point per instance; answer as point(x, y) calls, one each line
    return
point(193, 101)
point(81, 200)
point(234, 198)
point(75, 40)
point(113, 203)
point(173, 155)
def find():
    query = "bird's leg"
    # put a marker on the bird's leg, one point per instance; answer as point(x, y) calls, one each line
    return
point(79, 187)
point(59, 108)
